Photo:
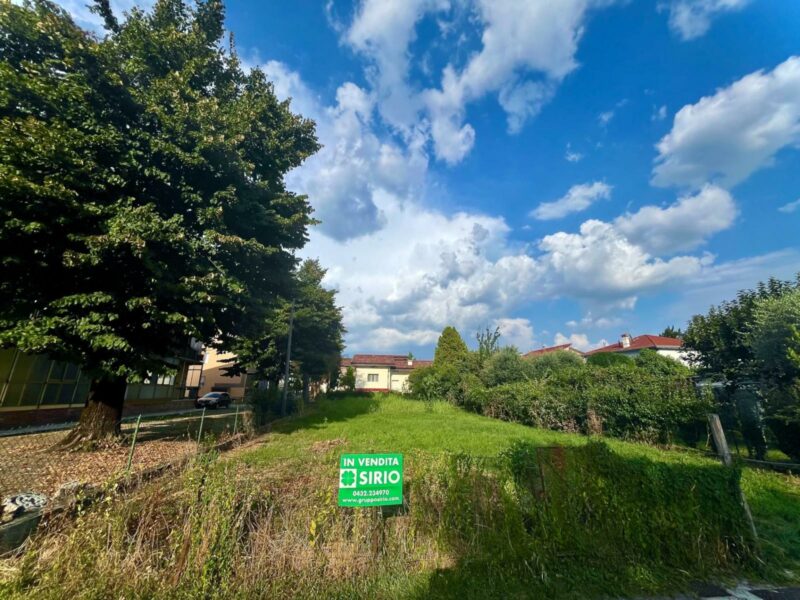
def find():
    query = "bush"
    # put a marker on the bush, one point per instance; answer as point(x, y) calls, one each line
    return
point(425, 384)
point(607, 359)
point(621, 400)
point(656, 364)
point(505, 366)
point(541, 366)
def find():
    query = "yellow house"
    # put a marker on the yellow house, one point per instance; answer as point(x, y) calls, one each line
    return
point(214, 379)
point(382, 372)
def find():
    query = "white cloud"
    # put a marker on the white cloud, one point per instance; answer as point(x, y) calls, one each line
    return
point(598, 323)
point(579, 341)
point(790, 207)
point(601, 266)
point(578, 198)
point(738, 130)
point(354, 164)
point(690, 19)
point(516, 332)
point(682, 226)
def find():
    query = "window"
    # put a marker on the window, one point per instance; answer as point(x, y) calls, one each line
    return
point(372, 378)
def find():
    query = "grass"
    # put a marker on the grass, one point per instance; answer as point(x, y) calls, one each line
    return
point(263, 522)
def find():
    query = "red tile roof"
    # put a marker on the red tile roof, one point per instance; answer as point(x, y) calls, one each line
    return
point(550, 349)
point(398, 361)
point(345, 362)
point(641, 342)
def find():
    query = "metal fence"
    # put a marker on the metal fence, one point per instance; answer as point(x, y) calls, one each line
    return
point(32, 461)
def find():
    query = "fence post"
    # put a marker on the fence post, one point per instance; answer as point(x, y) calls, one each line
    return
point(236, 420)
point(200, 431)
point(725, 456)
point(133, 443)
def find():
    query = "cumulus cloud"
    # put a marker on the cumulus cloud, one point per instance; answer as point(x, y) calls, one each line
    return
point(682, 226)
point(690, 19)
point(579, 341)
point(578, 198)
point(354, 164)
point(516, 332)
point(738, 130)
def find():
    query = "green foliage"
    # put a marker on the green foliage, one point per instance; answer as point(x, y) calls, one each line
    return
point(348, 381)
point(607, 359)
point(425, 383)
point(505, 366)
point(672, 332)
point(488, 343)
point(772, 335)
point(451, 349)
point(651, 361)
point(622, 401)
point(542, 365)
point(623, 523)
point(141, 186)
point(720, 340)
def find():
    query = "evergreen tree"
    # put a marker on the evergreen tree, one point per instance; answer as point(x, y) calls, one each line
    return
point(450, 349)
point(141, 192)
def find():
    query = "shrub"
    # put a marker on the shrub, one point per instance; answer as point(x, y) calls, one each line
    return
point(540, 366)
point(651, 361)
point(425, 384)
point(606, 359)
point(348, 381)
point(505, 366)
point(621, 400)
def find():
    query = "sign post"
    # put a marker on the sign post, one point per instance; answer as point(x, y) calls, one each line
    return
point(370, 480)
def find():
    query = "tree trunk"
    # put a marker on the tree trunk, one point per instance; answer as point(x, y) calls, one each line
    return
point(305, 390)
point(100, 419)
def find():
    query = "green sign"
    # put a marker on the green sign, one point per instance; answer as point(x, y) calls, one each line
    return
point(370, 479)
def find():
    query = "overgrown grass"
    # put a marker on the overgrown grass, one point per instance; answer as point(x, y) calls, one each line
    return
point(486, 517)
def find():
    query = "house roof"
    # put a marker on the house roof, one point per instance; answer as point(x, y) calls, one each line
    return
point(397, 361)
point(549, 349)
point(345, 362)
point(641, 342)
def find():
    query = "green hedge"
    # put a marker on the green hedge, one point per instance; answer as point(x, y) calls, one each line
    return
point(620, 400)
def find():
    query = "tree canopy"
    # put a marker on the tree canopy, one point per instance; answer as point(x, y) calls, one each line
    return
point(141, 187)
point(450, 349)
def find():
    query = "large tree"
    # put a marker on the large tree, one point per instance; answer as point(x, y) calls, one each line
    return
point(719, 341)
point(141, 191)
point(317, 333)
point(450, 349)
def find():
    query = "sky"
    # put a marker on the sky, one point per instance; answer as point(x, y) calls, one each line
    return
point(564, 170)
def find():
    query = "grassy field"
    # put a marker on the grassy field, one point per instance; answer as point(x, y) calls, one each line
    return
point(263, 521)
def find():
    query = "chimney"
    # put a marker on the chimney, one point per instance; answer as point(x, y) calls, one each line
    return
point(625, 340)
point(410, 362)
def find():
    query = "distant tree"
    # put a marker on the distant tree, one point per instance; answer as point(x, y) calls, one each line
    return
point(488, 343)
point(141, 192)
point(719, 341)
point(316, 335)
point(672, 332)
point(773, 336)
point(349, 379)
point(450, 349)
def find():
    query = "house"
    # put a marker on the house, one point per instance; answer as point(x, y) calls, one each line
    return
point(632, 346)
point(382, 372)
point(549, 349)
point(214, 378)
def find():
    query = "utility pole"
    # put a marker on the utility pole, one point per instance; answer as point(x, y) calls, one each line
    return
point(288, 362)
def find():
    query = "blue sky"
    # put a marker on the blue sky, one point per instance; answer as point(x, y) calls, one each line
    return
point(564, 170)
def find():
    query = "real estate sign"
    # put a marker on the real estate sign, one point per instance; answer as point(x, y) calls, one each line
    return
point(370, 479)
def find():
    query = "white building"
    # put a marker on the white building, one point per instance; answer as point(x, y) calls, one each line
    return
point(382, 372)
point(632, 346)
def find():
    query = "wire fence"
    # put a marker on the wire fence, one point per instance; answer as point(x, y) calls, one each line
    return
point(33, 462)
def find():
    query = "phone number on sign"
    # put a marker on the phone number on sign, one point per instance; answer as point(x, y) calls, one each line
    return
point(368, 493)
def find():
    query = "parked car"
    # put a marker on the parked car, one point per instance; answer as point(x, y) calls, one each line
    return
point(214, 400)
